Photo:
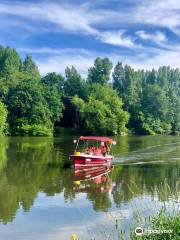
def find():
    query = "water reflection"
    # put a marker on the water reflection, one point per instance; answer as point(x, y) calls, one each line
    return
point(96, 182)
point(29, 166)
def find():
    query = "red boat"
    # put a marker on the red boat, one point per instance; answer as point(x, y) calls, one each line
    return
point(92, 151)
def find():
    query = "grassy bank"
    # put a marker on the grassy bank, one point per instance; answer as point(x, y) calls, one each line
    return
point(163, 226)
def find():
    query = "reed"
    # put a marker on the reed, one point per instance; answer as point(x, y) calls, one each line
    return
point(163, 223)
point(163, 226)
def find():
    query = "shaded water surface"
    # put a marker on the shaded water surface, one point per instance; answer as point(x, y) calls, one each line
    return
point(42, 199)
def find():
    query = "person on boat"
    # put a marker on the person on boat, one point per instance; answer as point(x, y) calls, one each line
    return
point(103, 148)
point(90, 150)
point(87, 150)
point(93, 149)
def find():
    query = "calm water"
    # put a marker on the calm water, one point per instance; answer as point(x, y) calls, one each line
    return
point(41, 199)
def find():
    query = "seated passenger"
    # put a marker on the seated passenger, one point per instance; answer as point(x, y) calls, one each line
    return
point(91, 149)
point(103, 148)
point(87, 150)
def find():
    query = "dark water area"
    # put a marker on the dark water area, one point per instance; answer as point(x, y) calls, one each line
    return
point(40, 198)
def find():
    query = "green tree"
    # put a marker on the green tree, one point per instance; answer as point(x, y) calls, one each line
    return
point(30, 69)
point(53, 85)
point(150, 125)
point(154, 101)
point(119, 78)
point(173, 93)
point(127, 83)
point(28, 107)
point(54, 101)
point(151, 97)
point(151, 77)
point(162, 76)
point(74, 84)
point(54, 80)
point(10, 65)
point(153, 118)
point(100, 72)
point(102, 113)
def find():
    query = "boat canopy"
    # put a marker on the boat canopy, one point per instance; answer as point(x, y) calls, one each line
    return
point(101, 139)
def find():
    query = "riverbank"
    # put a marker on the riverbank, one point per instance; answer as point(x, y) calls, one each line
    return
point(58, 131)
point(163, 226)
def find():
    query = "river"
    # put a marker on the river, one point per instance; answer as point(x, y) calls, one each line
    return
point(42, 199)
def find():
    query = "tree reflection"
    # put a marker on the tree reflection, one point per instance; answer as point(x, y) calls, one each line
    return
point(28, 170)
point(32, 165)
point(157, 180)
point(3, 152)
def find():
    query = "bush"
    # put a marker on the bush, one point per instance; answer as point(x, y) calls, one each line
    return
point(151, 126)
point(162, 221)
point(33, 130)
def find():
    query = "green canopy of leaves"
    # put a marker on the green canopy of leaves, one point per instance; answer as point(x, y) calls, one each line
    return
point(102, 113)
point(106, 102)
point(100, 72)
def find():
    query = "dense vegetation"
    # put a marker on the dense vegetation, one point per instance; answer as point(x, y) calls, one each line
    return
point(162, 222)
point(110, 101)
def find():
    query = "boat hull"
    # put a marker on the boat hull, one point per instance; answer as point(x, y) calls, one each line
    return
point(90, 160)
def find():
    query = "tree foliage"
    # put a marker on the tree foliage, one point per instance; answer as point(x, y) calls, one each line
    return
point(73, 85)
point(30, 69)
point(151, 97)
point(27, 106)
point(106, 102)
point(102, 112)
point(100, 72)
point(33, 104)
point(54, 80)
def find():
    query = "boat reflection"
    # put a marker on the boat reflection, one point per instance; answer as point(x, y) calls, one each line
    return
point(95, 179)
